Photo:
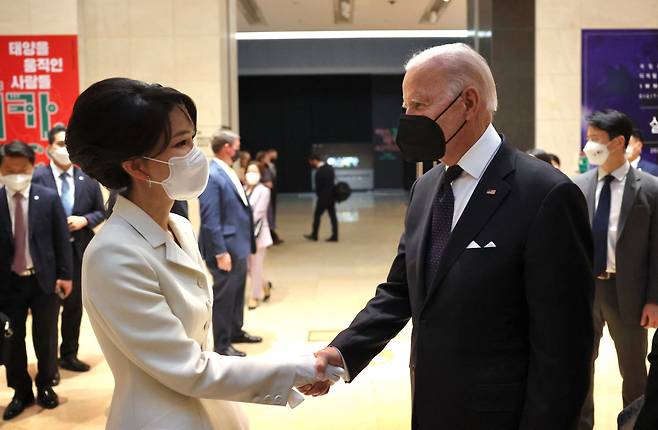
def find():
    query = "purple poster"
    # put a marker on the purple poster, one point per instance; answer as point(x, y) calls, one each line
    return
point(620, 71)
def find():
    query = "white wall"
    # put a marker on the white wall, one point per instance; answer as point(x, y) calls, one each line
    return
point(558, 63)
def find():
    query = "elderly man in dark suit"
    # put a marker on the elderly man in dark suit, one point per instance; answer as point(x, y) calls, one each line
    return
point(493, 267)
point(82, 200)
point(623, 205)
point(35, 264)
point(226, 240)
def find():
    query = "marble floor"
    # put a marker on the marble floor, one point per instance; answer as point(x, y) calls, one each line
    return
point(319, 287)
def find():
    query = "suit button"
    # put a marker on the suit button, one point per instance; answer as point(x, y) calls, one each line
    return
point(267, 399)
point(199, 283)
point(278, 399)
point(209, 303)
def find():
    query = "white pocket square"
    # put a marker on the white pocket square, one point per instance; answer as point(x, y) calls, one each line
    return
point(473, 245)
point(490, 245)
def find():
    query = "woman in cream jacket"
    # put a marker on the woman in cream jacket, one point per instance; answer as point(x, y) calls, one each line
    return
point(144, 287)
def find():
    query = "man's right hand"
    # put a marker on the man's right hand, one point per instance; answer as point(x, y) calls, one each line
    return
point(325, 357)
point(224, 262)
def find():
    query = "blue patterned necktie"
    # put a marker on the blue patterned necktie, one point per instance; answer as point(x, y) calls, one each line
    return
point(67, 196)
point(600, 228)
point(443, 207)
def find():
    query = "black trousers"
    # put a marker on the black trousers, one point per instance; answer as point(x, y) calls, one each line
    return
point(72, 312)
point(630, 342)
point(26, 294)
point(228, 302)
point(320, 208)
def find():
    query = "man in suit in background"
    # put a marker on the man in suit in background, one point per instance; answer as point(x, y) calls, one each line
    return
point(634, 154)
point(82, 200)
point(622, 203)
point(272, 157)
point(35, 266)
point(324, 190)
point(493, 267)
point(226, 240)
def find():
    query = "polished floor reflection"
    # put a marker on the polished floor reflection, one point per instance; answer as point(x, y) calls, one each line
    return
point(319, 287)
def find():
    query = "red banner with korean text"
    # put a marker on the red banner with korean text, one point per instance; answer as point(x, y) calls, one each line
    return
point(38, 86)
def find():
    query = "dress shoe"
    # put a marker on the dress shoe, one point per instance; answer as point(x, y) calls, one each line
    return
point(18, 405)
point(232, 352)
point(311, 237)
point(47, 398)
point(73, 364)
point(252, 303)
point(268, 291)
point(246, 338)
point(332, 239)
point(56, 380)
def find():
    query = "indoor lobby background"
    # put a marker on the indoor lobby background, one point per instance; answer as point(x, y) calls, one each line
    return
point(302, 94)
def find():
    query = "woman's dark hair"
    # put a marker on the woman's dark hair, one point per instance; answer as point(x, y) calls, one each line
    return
point(16, 148)
point(53, 131)
point(119, 119)
point(260, 165)
point(613, 122)
point(547, 157)
point(637, 133)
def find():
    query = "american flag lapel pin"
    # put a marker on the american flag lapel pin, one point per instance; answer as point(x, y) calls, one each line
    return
point(491, 191)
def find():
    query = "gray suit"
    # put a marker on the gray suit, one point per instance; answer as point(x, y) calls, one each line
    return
point(619, 301)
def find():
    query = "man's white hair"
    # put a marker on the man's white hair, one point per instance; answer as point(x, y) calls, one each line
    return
point(463, 67)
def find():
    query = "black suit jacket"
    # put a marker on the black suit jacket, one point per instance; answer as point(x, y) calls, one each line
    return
point(324, 185)
point(48, 240)
point(88, 202)
point(503, 339)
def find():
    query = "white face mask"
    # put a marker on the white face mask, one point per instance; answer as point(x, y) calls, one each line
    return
point(17, 183)
point(597, 153)
point(188, 175)
point(61, 155)
point(253, 178)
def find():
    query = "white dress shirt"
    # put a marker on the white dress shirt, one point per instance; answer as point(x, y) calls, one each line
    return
point(57, 173)
point(474, 162)
point(616, 197)
point(234, 178)
point(635, 163)
point(12, 213)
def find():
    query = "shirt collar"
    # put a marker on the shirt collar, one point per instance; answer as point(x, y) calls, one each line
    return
point(222, 164)
point(635, 162)
point(477, 158)
point(25, 193)
point(58, 172)
point(619, 173)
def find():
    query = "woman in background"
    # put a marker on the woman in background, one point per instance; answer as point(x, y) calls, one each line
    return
point(259, 199)
point(143, 279)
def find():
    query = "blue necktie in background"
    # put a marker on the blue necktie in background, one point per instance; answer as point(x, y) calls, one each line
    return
point(600, 228)
point(67, 195)
point(443, 207)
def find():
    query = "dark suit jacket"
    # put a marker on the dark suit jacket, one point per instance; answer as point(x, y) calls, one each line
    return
point(88, 202)
point(637, 242)
point(325, 177)
point(48, 240)
point(503, 339)
point(648, 166)
point(226, 222)
point(648, 418)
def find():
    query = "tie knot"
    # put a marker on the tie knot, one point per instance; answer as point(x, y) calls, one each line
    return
point(64, 175)
point(453, 173)
point(18, 197)
point(608, 179)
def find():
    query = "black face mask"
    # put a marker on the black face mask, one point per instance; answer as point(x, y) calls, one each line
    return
point(421, 139)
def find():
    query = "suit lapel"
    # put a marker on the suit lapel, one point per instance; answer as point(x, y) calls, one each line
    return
point(481, 206)
point(33, 209)
point(49, 176)
point(78, 181)
point(630, 191)
point(590, 192)
point(426, 223)
point(6, 216)
point(183, 254)
point(232, 185)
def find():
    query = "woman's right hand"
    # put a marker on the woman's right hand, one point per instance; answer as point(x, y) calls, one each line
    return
point(306, 374)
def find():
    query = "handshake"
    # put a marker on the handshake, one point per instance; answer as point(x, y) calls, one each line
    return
point(315, 375)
